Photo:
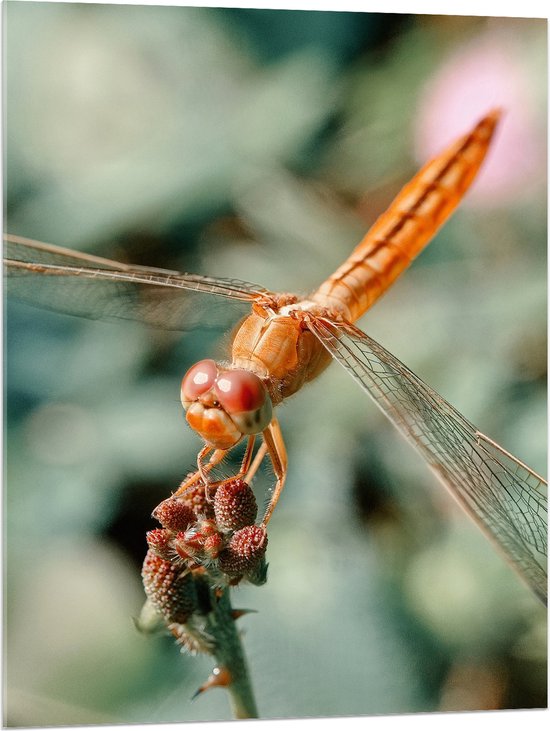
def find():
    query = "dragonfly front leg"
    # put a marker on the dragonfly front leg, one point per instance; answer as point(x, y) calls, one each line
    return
point(273, 440)
point(258, 459)
point(201, 475)
point(247, 459)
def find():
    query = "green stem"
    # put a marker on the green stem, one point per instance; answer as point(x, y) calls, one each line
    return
point(230, 655)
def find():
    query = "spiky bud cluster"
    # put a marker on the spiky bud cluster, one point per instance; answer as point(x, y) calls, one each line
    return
point(171, 590)
point(234, 505)
point(203, 542)
point(227, 543)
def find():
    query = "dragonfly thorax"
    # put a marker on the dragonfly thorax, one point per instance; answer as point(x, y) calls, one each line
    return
point(224, 404)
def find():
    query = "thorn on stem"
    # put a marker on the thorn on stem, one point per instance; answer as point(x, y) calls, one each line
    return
point(221, 677)
point(237, 613)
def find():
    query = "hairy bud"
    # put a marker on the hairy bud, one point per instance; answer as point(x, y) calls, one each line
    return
point(171, 592)
point(234, 505)
point(200, 541)
point(195, 498)
point(246, 549)
point(213, 545)
point(174, 514)
point(159, 541)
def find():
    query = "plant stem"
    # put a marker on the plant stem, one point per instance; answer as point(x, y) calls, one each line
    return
point(230, 655)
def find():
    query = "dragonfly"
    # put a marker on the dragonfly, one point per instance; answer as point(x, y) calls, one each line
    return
point(285, 341)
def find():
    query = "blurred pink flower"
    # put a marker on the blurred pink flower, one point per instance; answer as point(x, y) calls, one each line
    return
point(484, 74)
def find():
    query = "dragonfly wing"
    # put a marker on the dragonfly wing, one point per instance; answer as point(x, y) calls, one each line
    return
point(83, 284)
point(499, 492)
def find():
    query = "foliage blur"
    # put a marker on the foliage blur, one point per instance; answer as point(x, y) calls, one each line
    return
point(261, 144)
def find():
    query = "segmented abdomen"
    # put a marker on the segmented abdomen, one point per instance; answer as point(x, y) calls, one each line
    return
point(407, 226)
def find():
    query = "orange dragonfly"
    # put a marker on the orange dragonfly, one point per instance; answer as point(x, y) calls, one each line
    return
point(286, 341)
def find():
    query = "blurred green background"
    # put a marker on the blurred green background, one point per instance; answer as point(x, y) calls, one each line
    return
point(262, 144)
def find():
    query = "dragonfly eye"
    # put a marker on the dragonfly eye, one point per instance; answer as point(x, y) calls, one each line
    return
point(198, 380)
point(244, 397)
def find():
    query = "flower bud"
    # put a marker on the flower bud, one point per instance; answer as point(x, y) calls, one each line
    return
point(174, 514)
point(159, 541)
point(171, 592)
point(198, 541)
point(246, 549)
point(195, 498)
point(213, 545)
point(234, 505)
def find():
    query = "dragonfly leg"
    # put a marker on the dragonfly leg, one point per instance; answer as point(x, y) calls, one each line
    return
point(244, 470)
point(203, 469)
point(258, 459)
point(273, 439)
point(247, 458)
point(202, 472)
point(191, 481)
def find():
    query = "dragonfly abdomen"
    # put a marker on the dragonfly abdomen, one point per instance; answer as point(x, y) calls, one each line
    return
point(413, 218)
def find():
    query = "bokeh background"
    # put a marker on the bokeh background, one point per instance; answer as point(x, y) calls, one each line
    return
point(262, 144)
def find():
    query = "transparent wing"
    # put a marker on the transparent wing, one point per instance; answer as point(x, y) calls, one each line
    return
point(81, 284)
point(505, 497)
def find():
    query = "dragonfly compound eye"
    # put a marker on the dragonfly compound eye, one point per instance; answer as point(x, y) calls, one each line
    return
point(198, 380)
point(245, 399)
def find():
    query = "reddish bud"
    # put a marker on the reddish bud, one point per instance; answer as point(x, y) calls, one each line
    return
point(195, 498)
point(174, 514)
point(182, 549)
point(159, 541)
point(199, 540)
point(246, 549)
point(234, 505)
point(213, 545)
point(171, 592)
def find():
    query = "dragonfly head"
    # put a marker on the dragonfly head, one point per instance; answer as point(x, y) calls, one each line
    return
point(223, 404)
